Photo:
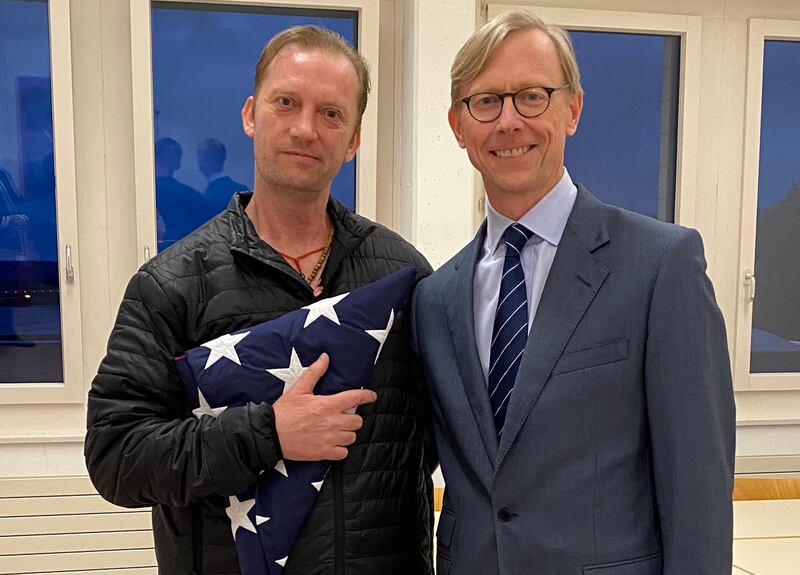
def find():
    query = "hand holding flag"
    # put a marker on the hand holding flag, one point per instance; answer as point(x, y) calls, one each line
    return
point(317, 427)
point(339, 339)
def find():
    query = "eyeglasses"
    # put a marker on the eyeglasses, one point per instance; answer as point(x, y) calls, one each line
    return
point(529, 102)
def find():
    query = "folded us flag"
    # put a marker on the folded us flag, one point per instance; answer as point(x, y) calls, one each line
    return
point(259, 364)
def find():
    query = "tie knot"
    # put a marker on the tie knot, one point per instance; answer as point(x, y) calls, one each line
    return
point(515, 236)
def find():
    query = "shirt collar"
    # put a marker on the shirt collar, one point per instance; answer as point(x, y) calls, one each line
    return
point(547, 219)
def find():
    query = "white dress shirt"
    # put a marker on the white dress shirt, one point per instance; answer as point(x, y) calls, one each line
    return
point(547, 220)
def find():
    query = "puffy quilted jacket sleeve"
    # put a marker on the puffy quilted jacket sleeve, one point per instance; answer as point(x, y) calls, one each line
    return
point(142, 446)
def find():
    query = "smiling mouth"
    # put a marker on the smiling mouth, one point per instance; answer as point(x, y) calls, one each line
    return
point(512, 152)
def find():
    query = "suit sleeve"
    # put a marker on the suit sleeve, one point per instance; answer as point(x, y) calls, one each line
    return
point(142, 446)
point(691, 413)
point(431, 453)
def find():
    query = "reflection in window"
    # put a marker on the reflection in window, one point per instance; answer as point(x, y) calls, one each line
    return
point(30, 328)
point(775, 343)
point(204, 58)
point(625, 148)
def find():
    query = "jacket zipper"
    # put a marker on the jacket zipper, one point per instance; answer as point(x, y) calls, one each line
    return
point(338, 518)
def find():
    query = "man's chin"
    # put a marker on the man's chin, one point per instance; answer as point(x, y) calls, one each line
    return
point(299, 183)
point(306, 189)
point(511, 188)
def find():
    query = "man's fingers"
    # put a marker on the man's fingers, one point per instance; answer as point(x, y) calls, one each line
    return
point(337, 454)
point(347, 422)
point(345, 438)
point(306, 382)
point(352, 397)
point(351, 422)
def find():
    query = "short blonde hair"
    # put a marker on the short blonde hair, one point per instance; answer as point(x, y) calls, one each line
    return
point(321, 39)
point(476, 52)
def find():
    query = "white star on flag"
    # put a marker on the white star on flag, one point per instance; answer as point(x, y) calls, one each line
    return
point(288, 375)
point(258, 364)
point(381, 334)
point(205, 408)
point(237, 511)
point(324, 308)
point(224, 346)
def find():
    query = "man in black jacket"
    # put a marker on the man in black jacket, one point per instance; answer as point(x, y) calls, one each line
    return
point(270, 252)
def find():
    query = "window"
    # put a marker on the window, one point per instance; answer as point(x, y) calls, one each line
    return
point(204, 58)
point(768, 318)
point(625, 147)
point(775, 345)
point(40, 313)
point(30, 319)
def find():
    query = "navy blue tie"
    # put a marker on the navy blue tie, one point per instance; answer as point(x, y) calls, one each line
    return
point(510, 332)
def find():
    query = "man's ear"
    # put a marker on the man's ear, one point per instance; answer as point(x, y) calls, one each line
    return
point(575, 108)
point(248, 118)
point(354, 144)
point(454, 118)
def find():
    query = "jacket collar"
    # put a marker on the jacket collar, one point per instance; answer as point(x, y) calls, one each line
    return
point(349, 231)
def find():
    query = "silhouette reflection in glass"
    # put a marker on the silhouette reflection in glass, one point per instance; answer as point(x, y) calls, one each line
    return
point(776, 311)
point(13, 242)
point(211, 155)
point(180, 208)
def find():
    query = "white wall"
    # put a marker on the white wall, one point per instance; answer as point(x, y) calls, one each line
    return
point(427, 189)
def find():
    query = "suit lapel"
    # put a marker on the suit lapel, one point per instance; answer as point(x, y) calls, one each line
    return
point(461, 322)
point(573, 282)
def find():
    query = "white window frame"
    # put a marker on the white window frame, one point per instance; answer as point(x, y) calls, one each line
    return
point(759, 31)
point(688, 28)
point(71, 390)
point(143, 136)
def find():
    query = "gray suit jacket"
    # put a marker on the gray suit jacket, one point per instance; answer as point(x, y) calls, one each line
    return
point(618, 448)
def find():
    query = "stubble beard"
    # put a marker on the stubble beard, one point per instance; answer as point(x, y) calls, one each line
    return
point(299, 185)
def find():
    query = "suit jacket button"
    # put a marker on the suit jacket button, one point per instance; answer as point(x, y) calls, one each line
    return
point(505, 514)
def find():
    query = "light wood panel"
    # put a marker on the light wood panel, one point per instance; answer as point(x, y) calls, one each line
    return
point(58, 505)
point(744, 489)
point(747, 489)
point(123, 571)
point(52, 525)
point(438, 498)
point(96, 560)
point(36, 486)
point(89, 523)
point(75, 542)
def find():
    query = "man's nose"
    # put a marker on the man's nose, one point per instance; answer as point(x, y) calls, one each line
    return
point(509, 120)
point(304, 127)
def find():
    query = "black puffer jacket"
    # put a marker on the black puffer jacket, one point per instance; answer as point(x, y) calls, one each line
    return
point(144, 447)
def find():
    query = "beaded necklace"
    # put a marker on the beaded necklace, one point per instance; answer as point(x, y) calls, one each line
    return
point(295, 260)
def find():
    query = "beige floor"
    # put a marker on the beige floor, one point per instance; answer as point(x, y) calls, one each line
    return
point(766, 537)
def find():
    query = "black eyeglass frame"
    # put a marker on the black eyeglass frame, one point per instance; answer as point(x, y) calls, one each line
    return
point(513, 96)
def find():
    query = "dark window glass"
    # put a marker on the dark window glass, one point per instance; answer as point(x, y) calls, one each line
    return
point(204, 58)
point(625, 148)
point(30, 324)
point(775, 345)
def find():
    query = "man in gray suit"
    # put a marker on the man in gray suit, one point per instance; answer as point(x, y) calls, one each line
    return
point(575, 354)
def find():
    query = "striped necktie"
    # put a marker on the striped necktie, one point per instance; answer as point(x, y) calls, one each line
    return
point(510, 332)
